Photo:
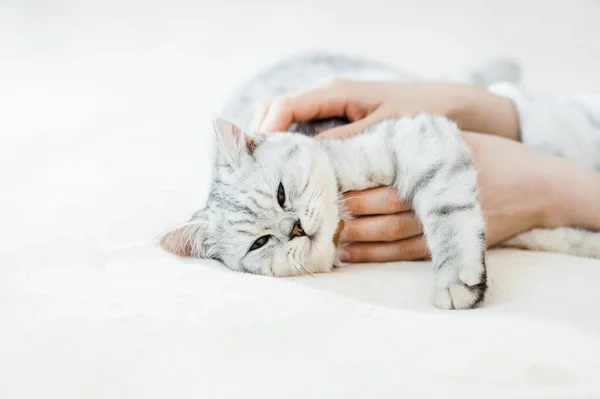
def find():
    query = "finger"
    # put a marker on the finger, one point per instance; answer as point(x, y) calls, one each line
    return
point(414, 248)
point(388, 228)
point(325, 101)
point(375, 201)
point(259, 115)
point(352, 129)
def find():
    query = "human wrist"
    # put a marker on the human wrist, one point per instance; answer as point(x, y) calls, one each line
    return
point(573, 198)
point(477, 110)
point(584, 204)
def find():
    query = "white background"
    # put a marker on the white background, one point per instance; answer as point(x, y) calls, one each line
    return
point(105, 142)
point(102, 102)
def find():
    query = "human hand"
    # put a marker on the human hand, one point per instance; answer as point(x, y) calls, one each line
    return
point(519, 189)
point(365, 103)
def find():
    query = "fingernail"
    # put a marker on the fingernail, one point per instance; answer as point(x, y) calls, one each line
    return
point(260, 112)
point(255, 126)
point(344, 255)
point(267, 124)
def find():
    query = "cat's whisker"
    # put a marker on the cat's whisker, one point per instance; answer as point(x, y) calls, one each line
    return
point(292, 261)
point(298, 264)
point(297, 269)
point(316, 198)
point(305, 269)
point(335, 162)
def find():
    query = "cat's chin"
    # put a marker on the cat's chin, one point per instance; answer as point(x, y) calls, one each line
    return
point(325, 264)
point(322, 256)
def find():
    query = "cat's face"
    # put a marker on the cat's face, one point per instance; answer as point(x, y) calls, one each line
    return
point(272, 209)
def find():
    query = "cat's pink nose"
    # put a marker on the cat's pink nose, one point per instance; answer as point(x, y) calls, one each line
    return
point(297, 230)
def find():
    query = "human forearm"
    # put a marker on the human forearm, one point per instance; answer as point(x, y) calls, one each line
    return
point(521, 188)
point(366, 103)
point(477, 110)
point(577, 193)
point(563, 125)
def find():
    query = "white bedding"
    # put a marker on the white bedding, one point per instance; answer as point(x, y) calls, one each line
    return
point(104, 143)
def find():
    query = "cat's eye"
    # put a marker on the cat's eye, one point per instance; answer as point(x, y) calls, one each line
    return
point(259, 243)
point(280, 195)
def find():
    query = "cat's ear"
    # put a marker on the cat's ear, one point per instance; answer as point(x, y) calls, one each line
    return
point(234, 144)
point(186, 240)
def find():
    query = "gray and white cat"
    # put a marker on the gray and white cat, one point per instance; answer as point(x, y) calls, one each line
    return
point(275, 206)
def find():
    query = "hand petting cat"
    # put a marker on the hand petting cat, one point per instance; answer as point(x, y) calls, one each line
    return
point(520, 188)
point(365, 103)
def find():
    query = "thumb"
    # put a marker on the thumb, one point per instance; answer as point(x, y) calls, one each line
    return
point(351, 129)
point(260, 112)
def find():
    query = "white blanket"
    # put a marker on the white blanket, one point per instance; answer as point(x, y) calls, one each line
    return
point(105, 142)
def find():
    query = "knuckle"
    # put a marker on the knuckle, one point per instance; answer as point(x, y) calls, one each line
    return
point(413, 250)
point(404, 252)
point(353, 204)
point(392, 201)
point(396, 228)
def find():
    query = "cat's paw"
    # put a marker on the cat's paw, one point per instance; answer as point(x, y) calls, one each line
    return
point(462, 288)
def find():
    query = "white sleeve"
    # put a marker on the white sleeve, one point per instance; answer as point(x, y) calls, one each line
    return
point(564, 126)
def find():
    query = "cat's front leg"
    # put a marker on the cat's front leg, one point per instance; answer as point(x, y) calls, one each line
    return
point(437, 174)
point(427, 161)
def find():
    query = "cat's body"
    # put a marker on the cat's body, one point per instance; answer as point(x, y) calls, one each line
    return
point(309, 69)
point(425, 159)
point(274, 205)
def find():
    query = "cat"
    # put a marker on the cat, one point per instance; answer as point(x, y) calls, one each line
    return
point(308, 69)
point(275, 207)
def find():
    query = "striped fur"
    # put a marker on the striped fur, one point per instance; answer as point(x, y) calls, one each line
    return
point(423, 157)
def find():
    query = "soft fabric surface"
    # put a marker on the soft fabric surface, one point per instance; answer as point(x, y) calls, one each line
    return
point(105, 142)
